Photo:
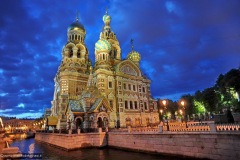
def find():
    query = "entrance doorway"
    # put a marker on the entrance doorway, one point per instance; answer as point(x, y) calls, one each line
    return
point(78, 123)
point(100, 122)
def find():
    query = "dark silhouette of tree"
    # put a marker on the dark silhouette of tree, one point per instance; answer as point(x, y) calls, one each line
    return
point(230, 118)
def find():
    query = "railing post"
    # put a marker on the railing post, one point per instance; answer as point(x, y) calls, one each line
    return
point(160, 129)
point(129, 129)
point(212, 127)
point(69, 131)
point(99, 130)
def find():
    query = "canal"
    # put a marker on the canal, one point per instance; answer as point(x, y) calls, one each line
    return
point(51, 153)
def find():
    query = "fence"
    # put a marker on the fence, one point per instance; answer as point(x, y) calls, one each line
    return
point(169, 127)
point(209, 126)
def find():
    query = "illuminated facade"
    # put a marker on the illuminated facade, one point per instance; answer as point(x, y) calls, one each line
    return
point(112, 93)
point(14, 125)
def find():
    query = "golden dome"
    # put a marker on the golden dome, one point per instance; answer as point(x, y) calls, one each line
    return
point(76, 26)
point(134, 56)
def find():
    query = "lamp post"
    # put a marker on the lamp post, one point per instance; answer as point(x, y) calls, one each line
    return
point(183, 103)
point(164, 102)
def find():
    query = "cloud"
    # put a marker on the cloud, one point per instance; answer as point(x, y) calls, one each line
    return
point(5, 110)
point(21, 105)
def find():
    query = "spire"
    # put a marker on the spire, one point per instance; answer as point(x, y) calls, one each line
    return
point(107, 19)
point(106, 10)
point(132, 45)
point(77, 16)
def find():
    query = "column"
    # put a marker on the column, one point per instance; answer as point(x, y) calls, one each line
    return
point(66, 52)
point(75, 49)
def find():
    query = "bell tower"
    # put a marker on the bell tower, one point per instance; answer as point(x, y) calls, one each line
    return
point(72, 75)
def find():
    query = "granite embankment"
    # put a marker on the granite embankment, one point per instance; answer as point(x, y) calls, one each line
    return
point(219, 146)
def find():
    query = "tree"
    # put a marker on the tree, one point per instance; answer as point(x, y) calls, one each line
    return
point(210, 99)
point(228, 86)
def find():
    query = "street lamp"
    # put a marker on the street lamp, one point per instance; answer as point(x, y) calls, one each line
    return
point(164, 102)
point(183, 103)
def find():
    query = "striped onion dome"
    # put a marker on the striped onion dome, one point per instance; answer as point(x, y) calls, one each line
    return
point(102, 45)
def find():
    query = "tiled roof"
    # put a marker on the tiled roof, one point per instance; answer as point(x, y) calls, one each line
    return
point(75, 106)
point(95, 105)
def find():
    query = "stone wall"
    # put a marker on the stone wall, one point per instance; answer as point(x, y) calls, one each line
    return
point(201, 145)
point(73, 141)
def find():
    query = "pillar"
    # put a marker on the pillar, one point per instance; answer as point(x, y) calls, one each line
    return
point(66, 52)
point(75, 49)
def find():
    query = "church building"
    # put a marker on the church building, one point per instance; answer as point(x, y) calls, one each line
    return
point(112, 93)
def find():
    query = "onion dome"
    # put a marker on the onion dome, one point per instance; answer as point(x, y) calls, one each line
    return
point(134, 56)
point(103, 45)
point(76, 26)
point(107, 19)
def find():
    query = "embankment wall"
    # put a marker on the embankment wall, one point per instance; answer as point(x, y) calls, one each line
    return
point(200, 145)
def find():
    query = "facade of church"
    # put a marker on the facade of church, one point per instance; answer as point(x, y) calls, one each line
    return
point(112, 93)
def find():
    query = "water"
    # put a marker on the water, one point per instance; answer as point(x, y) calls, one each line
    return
point(52, 153)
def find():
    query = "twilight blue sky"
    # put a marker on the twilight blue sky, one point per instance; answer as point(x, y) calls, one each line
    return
point(184, 44)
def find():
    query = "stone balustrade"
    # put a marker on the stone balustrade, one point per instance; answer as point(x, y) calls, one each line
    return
point(228, 127)
point(183, 127)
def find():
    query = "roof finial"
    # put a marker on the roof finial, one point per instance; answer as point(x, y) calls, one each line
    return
point(77, 15)
point(132, 44)
point(106, 10)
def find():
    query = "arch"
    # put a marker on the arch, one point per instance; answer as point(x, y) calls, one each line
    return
point(128, 121)
point(137, 122)
point(128, 67)
point(100, 122)
point(102, 119)
point(81, 50)
point(79, 122)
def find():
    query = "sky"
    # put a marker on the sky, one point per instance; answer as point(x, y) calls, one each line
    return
point(184, 45)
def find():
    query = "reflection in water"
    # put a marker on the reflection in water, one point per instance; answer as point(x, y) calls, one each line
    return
point(52, 153)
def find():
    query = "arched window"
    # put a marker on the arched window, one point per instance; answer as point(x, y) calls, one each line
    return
point(104, 57)
point(78, 54)
point(71, 53)
point(135, 105)
point(126, 104)
point(131, 105)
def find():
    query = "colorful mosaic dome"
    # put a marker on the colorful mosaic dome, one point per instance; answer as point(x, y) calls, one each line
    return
point(102, 45)
point(134, 56)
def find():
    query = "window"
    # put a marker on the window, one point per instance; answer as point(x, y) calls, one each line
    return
point(124, 85)
point(78, 54)
point(110, 84)
point(111, 103)
point(145, 105)
point(126, 104)
point(143, 89)
point(129, 86)
point(71, 53)
point(135, 104)
point(134, 88)
point(131, 105)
